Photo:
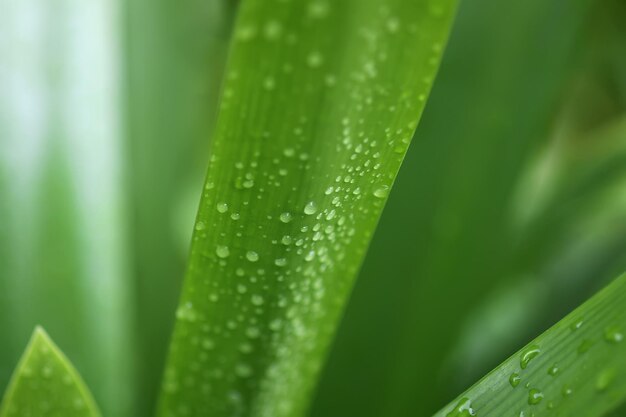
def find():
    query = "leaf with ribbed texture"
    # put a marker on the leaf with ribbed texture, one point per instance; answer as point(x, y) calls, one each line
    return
point(576, 368)
point(319, 104)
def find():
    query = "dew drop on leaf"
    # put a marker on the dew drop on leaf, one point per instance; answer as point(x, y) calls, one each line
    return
point(462, 409)
point(242, 370)
point(576, 325)
point(222, 251)
point(605, 379)
point(381, 192)
point(528, 355)
point(535, 396)
point(310, 208)
point(257, 300)
point(566, 391)
point(613, 335)
point(553, 370)
point(222, 207)
point(285, 217)
point(314, 59)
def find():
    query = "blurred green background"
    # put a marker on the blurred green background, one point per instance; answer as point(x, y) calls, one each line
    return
point(509, 211)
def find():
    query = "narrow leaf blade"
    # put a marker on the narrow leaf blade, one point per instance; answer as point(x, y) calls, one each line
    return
point(45, 384)
point(577, 367)
point(319, 104)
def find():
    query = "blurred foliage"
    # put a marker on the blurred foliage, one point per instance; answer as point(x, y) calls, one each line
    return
point(62, 238)
point(509, 210)
point(175, 54)
point(501, 221)
point(46, 384)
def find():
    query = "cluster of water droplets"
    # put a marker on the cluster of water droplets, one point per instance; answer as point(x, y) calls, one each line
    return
point(612, 335)
point(285, 216)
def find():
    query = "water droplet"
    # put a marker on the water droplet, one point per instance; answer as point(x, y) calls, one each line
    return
point(286, 240)
point(242, 370)
point(235, 216)
point(252, 256)
point(186, 312)
point(318, 9)
point(46, 372)
point(393, 25)
point(514, 379)
point(253, 332)
point(462, 409)
point(222, 251)
point(222, 207)
point(576, 325)
point(289, 152)
point(613, 335)
point(534, 396)
point(314, 59)
point(528, 355)
point(280, 262)
point(310, 208)
point(200, 225)
point(245, 33)
point(553, 370)
point(276, 324)
point(605, 379)
point(566, 391)
point(269, 83)
point(257, 300)
point(285, 217)
point(272, 30)
point(381, 192)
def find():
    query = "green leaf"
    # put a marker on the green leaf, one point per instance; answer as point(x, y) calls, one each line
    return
point(63, 252)
point(577, 367)
point(319, 104)
point(450, 213)
point(45, 384)
point(175, 96)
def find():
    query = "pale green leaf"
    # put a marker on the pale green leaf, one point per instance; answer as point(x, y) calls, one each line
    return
point(45, 384)
point(62, 244)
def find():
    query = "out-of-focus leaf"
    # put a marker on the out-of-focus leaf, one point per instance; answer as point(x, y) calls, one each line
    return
point(63, 240)
point(446, 233)
point(45, 384)
point(577, 367)
point(320, 101)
